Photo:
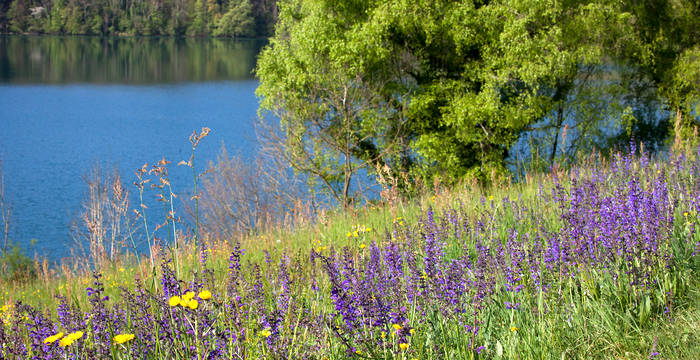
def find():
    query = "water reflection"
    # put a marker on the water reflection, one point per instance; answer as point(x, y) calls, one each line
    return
point(133, 60)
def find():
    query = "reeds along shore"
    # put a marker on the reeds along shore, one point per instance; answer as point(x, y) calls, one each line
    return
point(596, 262)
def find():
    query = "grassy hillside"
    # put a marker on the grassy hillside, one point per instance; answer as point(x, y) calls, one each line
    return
point(599, 262)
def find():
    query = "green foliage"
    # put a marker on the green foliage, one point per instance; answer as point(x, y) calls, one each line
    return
point(198, 26)
point(57, 21)
point(17, 266)
point(18, 16)
point(671, 30)
point(136, 17)
point(237, 21)
point(316, 77)
point(443, 89)
point(684, 92)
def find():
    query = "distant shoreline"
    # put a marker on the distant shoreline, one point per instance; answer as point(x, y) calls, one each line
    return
point(121, 36)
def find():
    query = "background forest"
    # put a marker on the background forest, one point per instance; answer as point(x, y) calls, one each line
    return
point(230, 18)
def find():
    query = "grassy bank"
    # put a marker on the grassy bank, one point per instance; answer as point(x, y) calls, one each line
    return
point(599, 262)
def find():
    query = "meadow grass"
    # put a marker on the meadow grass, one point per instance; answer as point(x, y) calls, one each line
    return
point(598, 262)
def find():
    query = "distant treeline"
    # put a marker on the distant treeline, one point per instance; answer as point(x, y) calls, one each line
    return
point(226, 18)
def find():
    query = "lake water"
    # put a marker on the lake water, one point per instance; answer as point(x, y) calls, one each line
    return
point(67, 103)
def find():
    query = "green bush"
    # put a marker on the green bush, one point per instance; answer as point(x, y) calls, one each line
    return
point(17, 266)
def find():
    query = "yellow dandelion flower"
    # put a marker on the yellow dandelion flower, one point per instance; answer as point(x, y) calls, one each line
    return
point(383, 334)
point(76, 335)
point(205, 295)
point(122, 338)
point(397, 327)
point(362, 246)
point(349, 234)
point(193, 304)
point(70, 338)
point(174, 301)
point(188, 295)
point(265, 332)
point(513, 329)
point(403, 346)
point(51, 339)
point(413, 331)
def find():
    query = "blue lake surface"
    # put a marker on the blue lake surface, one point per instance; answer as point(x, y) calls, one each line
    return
point(52, 133)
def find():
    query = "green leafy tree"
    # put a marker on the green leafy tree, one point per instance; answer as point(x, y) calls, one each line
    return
point(447, 87)
point(335, 124)
point(213, 15)
point(237, 21)
point(670, 29)
point(179, 17)
point(199, 22)
point(96, 25)
point(57, 19)
point(18, 16)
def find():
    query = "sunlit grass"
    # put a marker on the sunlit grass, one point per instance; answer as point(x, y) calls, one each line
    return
point(586, 309)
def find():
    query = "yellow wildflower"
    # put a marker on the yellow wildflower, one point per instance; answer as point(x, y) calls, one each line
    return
point(513, 329)
point(53, 338)
point(122, 338)
point(188, 295)
point(362, 246)
point(66, 341)
point(193, 304)
point(174, 301)
point(205, 295)
point(403, 346)
point(265, 332)
point(70, 338)
point(397, 327)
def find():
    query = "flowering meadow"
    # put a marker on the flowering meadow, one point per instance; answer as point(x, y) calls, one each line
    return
point(597, 263)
